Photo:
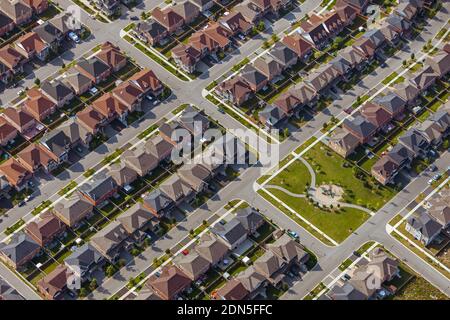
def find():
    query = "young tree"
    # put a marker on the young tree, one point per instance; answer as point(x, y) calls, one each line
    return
point(110, 271)
point(37, 82)
point(93, 284)
point(83, 292)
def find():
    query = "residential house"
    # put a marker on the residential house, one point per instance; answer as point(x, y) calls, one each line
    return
point(391, 33)
point(38, 105)
point(6, 24)
point(435, 128)
point(415, 141)
point(6, 75)
point(272, 116)
point(288, 250)
point(36, 157)
point(305, 94)
point(12, 59)
point(193, 265)
point(252, 281)
point(283, 55)
point(158, 203)
point(147, 82)
point(194, 121)
point(72, 209)
point(186, 57)
point(57, 92)
point(171, 132)
point(235, 90)
point(110, 241)
point(112, 56)
point(360, 5)
point(211, 248)
point(19, 250)
point(315, 31)
point(77, 81)
point(301, 46)
point(211, 40)
point(109, 7)
point(203, 5)
point(232, 233)
point(122, 174)
point(439, 208)
point(333, 23)
point(61, 140)
point(7, 132)
point(136, 221)
point(160, 148)
point(407, 10)
point(19, 119)
point(440, 63)
point(45, 229)
point(354, 57)
point(111, 108)
point(387, 168)
point(140, 161)
point(361, 128)
point(250, 219)
point(129, 95)
point(168, 18)
point(31, 45)
point(15, 173)
point(249, 11)
point(177, 190)
point(392, 103)
point(254, 78)
point(99, 189)
point(323, 77)
point(38, 6)
point(83, 262)
point(9, 293)
point(376, 37)
point(366, 46)
point(376, 115)
point(407, 92)
point(343, 142)
point(232, 290)
point(91, 120)
point(237, 23)
point(271, 267)
point(343, 66)
point(54, 284)
point(151, 32)
point(17, 10)
point(66, 22)
point(399, 24)
point(346, 12)
point(94, 68)
point(171, 282)
point(187, 10)
point(51, 35)
point(288, 103)
point(345, 292)
point(195, 175)
point(269, 67)
point(424, 79)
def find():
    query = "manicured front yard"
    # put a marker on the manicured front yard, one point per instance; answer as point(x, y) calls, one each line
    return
point(294, 178)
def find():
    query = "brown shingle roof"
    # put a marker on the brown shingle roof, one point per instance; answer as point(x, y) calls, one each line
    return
point(35, 155)
point(31, 42)
point(171, 282)
point(111, 55)
point(13, 171)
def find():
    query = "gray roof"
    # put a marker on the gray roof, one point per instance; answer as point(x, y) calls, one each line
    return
point(272, 114)
point(135, 218)
point(231, 231)
point(65, 22)
point(285, 247)
point(157, 200)
point(268, 65)
point(186, 9)
point(109, 238)
point(83, 257)
point(15, 9)
point(283, 54)
point(249, 218)
point(76, 79)
point(158, 147)
point(352, 55)
point(361, 126)
point(251, 279)
point(345, 292)
point(424, 224)
point(152, 27)
point(398, 22)
point(191, 117)
point(341, 64)
point(391, 102)
point(414, 141)
point(192, 264)
point(375, 35)
point(73, 208)
point(140, 161)
point(252, 75)
point(399, 154)
point(175, 188)
point(4, 20)
point(93, 66)
point(48, 32)
point(56, 89)
point(211, 248)
point(8, 293)
point(194, 174)
point(122, 174)
point(99, 185)
point(66, 134)
point(19, 247)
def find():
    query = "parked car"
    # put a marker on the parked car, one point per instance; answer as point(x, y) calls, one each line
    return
point(73, 36)
point(134, 18)
point(293, 234)
point(21, 203)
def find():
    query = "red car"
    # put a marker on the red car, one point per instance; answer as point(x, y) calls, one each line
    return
point(185, 252)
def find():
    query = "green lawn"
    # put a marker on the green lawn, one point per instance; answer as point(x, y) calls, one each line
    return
point(294, 178)
point(337, 225)
point(419, 289)
point(329, 168)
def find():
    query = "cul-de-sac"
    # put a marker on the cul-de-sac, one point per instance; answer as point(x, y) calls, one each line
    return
point(224, 150)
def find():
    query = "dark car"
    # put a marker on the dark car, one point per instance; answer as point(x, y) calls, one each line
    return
point(21, 203)
point(134, 18)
